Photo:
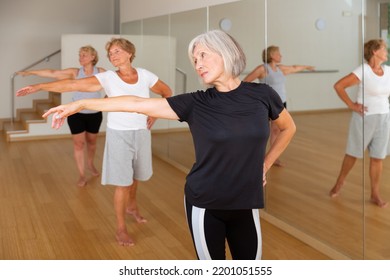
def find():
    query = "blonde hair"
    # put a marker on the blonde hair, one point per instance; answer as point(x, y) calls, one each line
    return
point(267, 53)
point(223, 44)
point(124, 44)
point(371, 46)
point(92, 51)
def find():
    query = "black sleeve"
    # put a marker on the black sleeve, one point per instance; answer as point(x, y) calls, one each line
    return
point(182, 105)
point(276, 105)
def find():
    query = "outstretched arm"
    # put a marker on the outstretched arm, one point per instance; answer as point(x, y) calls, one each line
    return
point(154, 107)
point(89, 84)
point(291, 69)
point(69, 73)
point(257, 73)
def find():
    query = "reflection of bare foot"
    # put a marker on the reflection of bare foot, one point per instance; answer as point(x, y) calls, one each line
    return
point(137, 216)
point(334, 192)
point(94, 171)
point(379, 202)
point(82, 182)
point(278, 163)
point(123, 238)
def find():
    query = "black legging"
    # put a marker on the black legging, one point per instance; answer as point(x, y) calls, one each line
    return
point(210, 229)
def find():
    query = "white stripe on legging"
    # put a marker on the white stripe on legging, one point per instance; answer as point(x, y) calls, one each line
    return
point(256, 219)
point(197, 219)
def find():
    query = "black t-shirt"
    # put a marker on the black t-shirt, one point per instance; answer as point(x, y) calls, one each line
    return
point(230, 132)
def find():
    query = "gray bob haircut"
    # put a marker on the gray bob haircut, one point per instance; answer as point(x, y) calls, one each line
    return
point(223, 44)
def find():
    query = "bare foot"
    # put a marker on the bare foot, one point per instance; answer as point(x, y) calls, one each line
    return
point(123, 238)
point(82, 182)
point(334, 192)
point(94, 171)
point(137, 216)
point(379, 202)
point(278, 163)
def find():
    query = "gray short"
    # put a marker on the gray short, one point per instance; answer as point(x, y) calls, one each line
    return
point(127, 156)
point(375, 131)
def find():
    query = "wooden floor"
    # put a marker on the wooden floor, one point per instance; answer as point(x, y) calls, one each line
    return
point(44, 216)
point(298, 194)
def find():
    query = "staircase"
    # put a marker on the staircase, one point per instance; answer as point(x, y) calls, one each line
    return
point(26, 117)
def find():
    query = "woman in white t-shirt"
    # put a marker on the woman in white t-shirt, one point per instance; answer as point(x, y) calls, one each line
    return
point(369, 127)
point(127, 154)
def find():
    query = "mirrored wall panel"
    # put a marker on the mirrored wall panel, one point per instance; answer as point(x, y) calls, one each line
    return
point(326, 35)
point(376, 220)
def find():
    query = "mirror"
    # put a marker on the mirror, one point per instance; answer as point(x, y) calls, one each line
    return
point(298, 194)
point(377, 226)
point(328, 35)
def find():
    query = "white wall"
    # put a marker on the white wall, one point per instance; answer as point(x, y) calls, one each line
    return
point(140, 9)
point(337, 47)
point(31, 30)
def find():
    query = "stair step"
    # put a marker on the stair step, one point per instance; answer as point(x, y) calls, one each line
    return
point(56, 98)
point(43, 107)
point(25, 117)
point(15, 126)
point(11, 128)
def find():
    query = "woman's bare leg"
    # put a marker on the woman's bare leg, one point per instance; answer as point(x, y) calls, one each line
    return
point(376, 166)
point(78, 150)
point(132, 208)
point(348, 163)
point(91, 151)
point(120, 201)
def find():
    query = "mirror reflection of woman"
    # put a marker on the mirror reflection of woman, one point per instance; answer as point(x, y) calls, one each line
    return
point(273, 73)
point(370, 132)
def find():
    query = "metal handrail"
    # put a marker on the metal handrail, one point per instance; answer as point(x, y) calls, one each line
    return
point(46, 58)
point(184, 80)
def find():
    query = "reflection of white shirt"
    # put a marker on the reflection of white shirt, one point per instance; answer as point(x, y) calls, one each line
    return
point(376, 89)
point(115, 86)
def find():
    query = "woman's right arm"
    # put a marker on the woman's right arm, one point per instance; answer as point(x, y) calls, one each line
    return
point(153, 107)
point(340, 88)
point(257, 73)
point(69, 73)
point(89, 84)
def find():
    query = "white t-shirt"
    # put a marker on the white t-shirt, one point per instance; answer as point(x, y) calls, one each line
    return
point(376, 89)
point(115, 86)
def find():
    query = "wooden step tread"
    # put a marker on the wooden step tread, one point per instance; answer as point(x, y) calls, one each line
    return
point(15, 126)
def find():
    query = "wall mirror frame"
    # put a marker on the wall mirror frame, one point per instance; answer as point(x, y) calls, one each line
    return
point(330, 36)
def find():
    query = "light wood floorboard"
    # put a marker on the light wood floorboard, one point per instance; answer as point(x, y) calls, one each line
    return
point(44, 215)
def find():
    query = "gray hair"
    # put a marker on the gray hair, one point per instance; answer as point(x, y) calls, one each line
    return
point(223, 44)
